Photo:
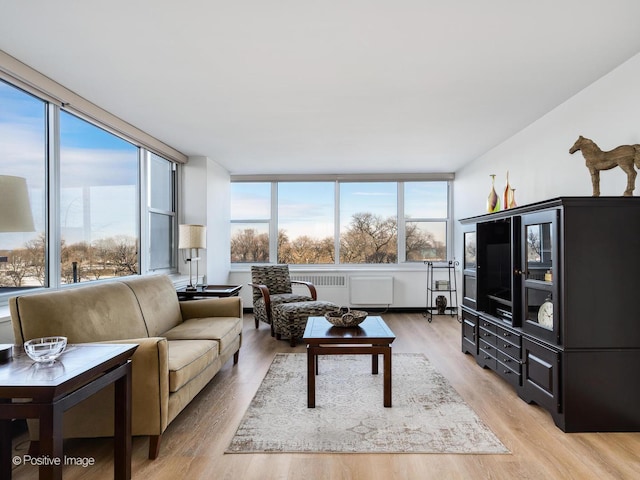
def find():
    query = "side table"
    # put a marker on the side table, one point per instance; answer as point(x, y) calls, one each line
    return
point(81, 371)
point(208, 291)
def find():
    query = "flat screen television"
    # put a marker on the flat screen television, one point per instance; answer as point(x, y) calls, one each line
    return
point(495, 268)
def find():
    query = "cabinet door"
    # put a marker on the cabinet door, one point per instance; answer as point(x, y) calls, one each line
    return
point(469, 332)
point(469, 288)
point(540, 275)
point(541, 382)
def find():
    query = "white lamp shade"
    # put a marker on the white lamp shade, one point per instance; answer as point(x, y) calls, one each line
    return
point(15, 209)
point(192, 236)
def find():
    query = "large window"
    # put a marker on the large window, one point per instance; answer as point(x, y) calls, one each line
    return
point(250, 220)
point(339, 222)
point(23, 123)
point(426, 214)
point(369, 222)
point(98, 203)
point(306, 222)
point(162, 212)
point(92, 194)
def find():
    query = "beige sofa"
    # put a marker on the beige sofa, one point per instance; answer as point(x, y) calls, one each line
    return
point(182, 345)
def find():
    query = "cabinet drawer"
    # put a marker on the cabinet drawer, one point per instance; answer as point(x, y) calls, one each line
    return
point(487, 335)
point(486, 355)
point(505, 335)
point(508, 372)
point(509, 349)
point(491, 327)
point(510, 363)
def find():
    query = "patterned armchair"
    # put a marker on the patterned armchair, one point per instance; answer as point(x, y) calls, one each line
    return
point(272, 286)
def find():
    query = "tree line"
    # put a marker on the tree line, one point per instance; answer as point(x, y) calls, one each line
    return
point(369, 238)
point(81, 261)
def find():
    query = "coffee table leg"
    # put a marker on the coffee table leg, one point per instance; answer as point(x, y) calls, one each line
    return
point(122, 425)
point(311, 378)
point(374, 364)
point(387, 377)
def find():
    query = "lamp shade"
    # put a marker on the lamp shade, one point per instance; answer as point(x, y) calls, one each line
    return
point(15, 209)
point(192, 236)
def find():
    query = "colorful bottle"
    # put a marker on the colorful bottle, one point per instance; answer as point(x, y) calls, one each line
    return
point(493, 201)
point(506, 195)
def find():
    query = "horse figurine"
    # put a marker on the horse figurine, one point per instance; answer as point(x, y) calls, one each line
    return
point(624, 156)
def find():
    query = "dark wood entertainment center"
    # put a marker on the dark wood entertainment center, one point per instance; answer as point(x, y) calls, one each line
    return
point(551, 301)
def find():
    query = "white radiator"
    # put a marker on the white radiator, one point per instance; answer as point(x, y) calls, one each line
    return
point(322, 280)
point(371, 290)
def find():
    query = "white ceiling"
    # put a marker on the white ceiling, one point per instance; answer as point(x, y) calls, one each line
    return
point(325, 86)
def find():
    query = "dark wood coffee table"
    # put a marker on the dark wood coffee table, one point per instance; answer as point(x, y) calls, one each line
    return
point(372, 337)
point(81, 371)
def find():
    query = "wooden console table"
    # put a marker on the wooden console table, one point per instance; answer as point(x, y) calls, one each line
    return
point(81, 371)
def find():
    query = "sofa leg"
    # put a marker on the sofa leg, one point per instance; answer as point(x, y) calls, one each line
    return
point(154, 446)
point(256, 320)
point(236, 356)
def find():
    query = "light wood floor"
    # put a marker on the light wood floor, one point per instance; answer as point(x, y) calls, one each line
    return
point(193, 446)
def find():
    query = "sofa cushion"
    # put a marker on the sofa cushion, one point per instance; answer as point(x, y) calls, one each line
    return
point(222, 329)
point(95, 313)
point(187, 358)
point(158, 301)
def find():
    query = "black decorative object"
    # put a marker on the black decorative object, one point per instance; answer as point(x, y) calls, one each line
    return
point(441, 303)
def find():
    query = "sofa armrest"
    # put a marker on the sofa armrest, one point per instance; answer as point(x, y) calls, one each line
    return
point(211, 307)
point(150, 379)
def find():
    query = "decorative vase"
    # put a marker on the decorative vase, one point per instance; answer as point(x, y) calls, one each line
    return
point(493, 201)
point(441, 304)
point(506, 195)
point(512, 198)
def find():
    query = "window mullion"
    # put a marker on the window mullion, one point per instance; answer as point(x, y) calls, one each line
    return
point(400, 223)
point(53, 233)
point(273, 225)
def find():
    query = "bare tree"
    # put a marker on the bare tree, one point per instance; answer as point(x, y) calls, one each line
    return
point(369, 238)
point(249, 246)
point(35, 252)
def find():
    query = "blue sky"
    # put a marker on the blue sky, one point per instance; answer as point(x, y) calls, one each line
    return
point(90, 157)
point(307, 208)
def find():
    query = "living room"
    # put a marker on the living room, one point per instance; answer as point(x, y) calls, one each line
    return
point(511, 102)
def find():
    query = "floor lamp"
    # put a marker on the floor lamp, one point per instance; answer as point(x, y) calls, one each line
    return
point(192, 237)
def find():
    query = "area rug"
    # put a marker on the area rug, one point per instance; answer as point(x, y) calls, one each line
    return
point(427, 416)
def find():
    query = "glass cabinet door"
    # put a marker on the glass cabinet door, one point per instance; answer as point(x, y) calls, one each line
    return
point(470, 250)
point(469, 289)
point(540, 275)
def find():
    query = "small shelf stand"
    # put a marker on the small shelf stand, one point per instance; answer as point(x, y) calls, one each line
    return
point(441, 288)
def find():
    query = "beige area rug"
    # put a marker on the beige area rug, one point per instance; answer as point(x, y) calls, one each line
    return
point(428, 415)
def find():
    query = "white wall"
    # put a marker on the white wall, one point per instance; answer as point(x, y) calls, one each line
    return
point(205, 200)
point(537, 158)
